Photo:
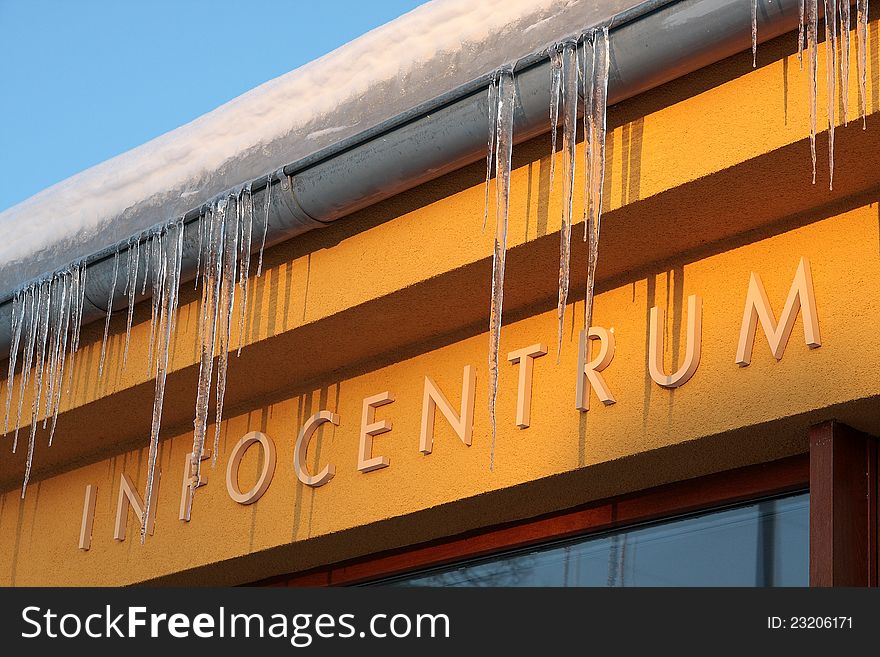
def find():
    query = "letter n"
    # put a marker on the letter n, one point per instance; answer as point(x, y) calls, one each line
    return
point(462, 423)
point(128, 497)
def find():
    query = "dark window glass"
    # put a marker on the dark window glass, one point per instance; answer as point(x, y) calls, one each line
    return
point(765, 543)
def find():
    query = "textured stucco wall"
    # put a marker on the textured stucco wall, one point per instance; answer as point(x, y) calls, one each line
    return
point(38, 538)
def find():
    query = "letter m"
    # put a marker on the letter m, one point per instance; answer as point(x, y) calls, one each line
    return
point(800, 297)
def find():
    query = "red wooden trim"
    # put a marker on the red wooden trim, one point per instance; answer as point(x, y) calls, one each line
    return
point(785, 475)
point(873, 513)
point(843, 483)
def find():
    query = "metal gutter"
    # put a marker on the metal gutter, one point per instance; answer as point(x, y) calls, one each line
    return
point(651, 44)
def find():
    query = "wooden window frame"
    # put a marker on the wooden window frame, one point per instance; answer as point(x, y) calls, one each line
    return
point(840, 472)
point(844, 490)
point(788, 475)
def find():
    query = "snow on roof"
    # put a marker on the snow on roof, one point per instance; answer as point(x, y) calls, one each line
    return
point(430, 51)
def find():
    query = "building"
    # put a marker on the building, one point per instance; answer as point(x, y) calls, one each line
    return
point(719, 428)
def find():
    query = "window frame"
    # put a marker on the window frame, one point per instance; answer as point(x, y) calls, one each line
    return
point(841, 472)
point(781, 477)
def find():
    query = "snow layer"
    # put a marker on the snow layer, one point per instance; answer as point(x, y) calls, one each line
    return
point(428, 52)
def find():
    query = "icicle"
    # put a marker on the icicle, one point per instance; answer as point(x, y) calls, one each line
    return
point(598, 110)
point(862, 61)
point(43, 340)
point(148, 255)
point(246, 222)
point(555, 95)
point(64, 318)
point(18, 310)
point(265, 225)
point(34, 292)
point(78, 298)
point(157, 277)
point(169, 256)
point(225, 304)
point(211, 276)
point(831, 78)
point(200, 226)
point(59, 298)
point(754, 33)
point(50, 341)
point(134, 256)
point(813, 48)
point(503, 153)
point(586, 77)
point(801, 34)
point(490, 146)
point(569, 136)
point(844, 58)
point(110, 296)
point(43, 312)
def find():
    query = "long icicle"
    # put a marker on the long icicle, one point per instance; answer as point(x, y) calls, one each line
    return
point(211, 279)
point(200, 227)
point(43, 313)
point(134, 256)
point(862, 61)
point(801, 34)
point(843, 6)
point(503, 154)
point(754, 33)
point(50, 343)
point(35, 293)
point(569, 137)
point(67, 300)
point(170, 256)
point(813, 48)
point(831, 78)
point(43, 340)
point(492, 95)
point(32, 302)
point(247, 227)
point(111, 293)
point(157, 263)
point(555, 98)
point(59, 298)
point(265, 225)
point(225, 303)
point(148, 254)
point(586, 82)
point(78, 298)
point(18, 309)
point(598, 111)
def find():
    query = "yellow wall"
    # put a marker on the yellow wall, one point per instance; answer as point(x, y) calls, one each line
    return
point(39, 536)
point(400, 291)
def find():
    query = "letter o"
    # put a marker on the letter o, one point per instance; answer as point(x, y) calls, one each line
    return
point(393, 622)
point(266, 474)
point(77, 624)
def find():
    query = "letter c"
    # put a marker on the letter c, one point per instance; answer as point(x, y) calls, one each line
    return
point(302, 448)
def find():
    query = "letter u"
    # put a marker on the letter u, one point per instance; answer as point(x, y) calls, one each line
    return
point(692, 353)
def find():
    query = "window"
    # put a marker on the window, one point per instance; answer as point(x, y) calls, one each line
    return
point(750, 526)
point(763, 543)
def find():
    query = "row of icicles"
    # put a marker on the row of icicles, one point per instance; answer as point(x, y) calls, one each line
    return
point(47, 313)
point(837, 47)
point(591, 65)
point(568, 64)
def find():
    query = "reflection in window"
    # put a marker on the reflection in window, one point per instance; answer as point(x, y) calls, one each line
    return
point(760, 544)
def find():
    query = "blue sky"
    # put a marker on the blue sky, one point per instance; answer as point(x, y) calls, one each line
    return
point(84, 80)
